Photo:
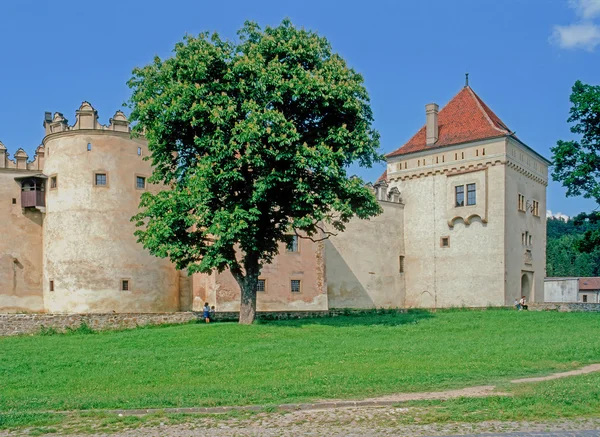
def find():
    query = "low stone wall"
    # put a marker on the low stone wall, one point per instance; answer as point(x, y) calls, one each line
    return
point(566, 307)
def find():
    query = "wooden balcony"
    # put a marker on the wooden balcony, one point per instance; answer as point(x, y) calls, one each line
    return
point(33, 199)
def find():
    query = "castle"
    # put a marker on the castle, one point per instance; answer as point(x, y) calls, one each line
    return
point(463, 224)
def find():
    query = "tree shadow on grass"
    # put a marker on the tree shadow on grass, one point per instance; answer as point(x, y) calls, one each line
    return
point(370, 318)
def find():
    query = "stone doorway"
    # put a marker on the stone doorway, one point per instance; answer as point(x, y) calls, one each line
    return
point(526, 281)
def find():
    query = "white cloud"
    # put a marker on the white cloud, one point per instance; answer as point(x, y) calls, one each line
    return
point(557, 215)
point(574, 36)
point(586, 9)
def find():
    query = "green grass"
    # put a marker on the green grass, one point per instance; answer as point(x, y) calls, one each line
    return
point(289, 361)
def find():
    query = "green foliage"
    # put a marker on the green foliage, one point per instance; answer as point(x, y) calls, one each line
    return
point(289, 361)
point(253, 139)
point(577, 162)
point(566, 251)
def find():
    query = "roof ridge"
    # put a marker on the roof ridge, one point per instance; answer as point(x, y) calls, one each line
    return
point(484, 108)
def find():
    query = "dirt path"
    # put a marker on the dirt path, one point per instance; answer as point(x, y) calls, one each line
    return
point(587, 369)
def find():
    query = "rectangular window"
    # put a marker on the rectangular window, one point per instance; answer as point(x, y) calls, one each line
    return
point(100, 179)
point(124, 285)
point(261, 285)
point(462, 155)
point(530, 240)
point(140, 182)
point(295, 285)
point(521, 203)
point(51, 285)
point(401, 263)
point(405, 166)
point(476, 152)
point(14, 201)
point(584, 298)
point(471, 194)
point(292, 246)
point(443, 159)
point(536, 208)
point(445, 242)
point(53, 182)
point(460, 195)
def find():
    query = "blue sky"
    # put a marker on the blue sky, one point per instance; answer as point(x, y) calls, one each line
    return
point(522, 56)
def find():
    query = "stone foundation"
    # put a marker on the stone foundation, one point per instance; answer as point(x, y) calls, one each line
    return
point(566, 307)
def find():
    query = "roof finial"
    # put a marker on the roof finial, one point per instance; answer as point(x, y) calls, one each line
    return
point(466, 80)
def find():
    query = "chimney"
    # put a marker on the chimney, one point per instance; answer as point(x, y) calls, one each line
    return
point(431, 111)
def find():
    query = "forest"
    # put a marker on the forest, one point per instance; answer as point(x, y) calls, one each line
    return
point(563, 254)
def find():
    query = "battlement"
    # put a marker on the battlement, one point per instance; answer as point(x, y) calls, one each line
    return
point(86, 119)
point(20, 159)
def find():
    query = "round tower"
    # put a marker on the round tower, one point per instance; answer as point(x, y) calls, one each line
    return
point(92, 262)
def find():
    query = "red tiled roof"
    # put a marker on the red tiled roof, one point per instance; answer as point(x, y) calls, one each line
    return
point(589, 283)
point(383, 177)
point(465, 118)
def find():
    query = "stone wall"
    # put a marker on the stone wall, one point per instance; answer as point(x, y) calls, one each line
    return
point(567, 307)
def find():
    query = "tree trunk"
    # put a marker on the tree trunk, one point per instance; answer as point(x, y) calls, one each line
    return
point(247, 285)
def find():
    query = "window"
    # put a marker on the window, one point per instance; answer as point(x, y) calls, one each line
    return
point(523, 238)
point(53, 182)
point(124, 284)
point(584, 298)
point(139, 152)
point(456, 156)
point(292, 246)
point(530, 240)
point(261, 285)
point(460, 195)
point(536, 208)
point(100, 179)
point(405, 166)
point(476, 152)
point(89, 148)
point(471, 194)
point(14, 201)
point(483, 151)
point(401, 263)
point(521, 203)
point(445, 242)
point(437, 159)
point(443, 159)
point(51, 285)
point(140, 182)
point(295, 285)
point(462, 155)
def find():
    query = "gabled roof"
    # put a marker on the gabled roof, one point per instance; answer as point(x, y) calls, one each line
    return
point(383, 177)
point(465, 118)
point(589, 283)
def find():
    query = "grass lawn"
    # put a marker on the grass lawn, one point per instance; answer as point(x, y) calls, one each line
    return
point(290, 361)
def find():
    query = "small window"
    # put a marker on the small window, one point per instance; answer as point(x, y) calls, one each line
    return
point(483, 151)
point(456, 156)
point(437, 159)
point(401, 263)
point(89, 147)
point(292, 246)
point(445, 242)
point(125, 285)
point(460, 195)
point(443, 159)
point(405, 166)
point(521, 203)
point(140, 182)
point(295, 285)
point(51, 286)
point(139, 152)
point(471, 194)
point(530, 240)
point(14, 201)
point(100, 179)
point(53, 182)
point(523, 238)
point(584, 297)
point(476, 152)
point(536, 208)
point(462, 155)
point(261, 285)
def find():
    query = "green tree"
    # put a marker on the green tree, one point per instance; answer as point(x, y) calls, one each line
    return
point(253, 140)
point(577, 162)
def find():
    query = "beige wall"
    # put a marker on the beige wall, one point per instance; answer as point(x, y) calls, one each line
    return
point(20, 249)
point(306, 265)
point(363, 266)
point(561, 289)
point(88, 237)
point(470, 272)
point(528, 175)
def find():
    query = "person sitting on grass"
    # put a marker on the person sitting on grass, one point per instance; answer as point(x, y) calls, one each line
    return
point(523, 303)
point(206, 312)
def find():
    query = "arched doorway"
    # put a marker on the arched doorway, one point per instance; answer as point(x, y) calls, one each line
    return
point(525, 287)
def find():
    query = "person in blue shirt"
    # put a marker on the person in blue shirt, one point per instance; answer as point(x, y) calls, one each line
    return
point(206, 312)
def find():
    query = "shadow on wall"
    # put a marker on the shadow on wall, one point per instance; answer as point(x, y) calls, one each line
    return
point(344, 289)
point(369, 318)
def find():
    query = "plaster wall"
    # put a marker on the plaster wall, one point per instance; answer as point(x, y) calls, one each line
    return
point(561, 289)
point(470, 270)
point(89, 246)
point(363, 262)
point(20, 248)
point(526, 174)
point(306, 265)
